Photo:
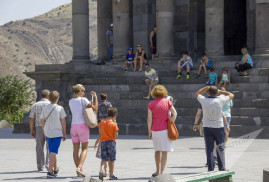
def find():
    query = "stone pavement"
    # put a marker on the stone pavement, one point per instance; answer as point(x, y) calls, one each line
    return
point(135, 159)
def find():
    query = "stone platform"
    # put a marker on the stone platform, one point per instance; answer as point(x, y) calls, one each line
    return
point(126, 90)
point(135, 159)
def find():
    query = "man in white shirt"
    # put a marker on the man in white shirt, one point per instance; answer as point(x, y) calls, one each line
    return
point(37, 132)
point(213, 123)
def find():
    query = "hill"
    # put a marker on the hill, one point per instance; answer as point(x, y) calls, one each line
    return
point(45, 39)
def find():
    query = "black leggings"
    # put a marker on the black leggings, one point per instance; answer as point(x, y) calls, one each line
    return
point(242, 67)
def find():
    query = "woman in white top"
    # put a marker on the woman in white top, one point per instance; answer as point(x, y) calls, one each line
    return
point(79, 130)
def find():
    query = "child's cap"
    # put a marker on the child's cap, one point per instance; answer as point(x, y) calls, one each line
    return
point(130, 49)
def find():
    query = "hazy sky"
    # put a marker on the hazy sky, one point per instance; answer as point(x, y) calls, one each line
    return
point(11, 10)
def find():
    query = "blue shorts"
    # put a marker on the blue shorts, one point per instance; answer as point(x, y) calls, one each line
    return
point(185, 66)
point(54, 144)
point(210, 83)
point(108, 150)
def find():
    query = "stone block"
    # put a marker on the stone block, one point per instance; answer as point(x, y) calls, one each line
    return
point(266, 175)
point(163, 178)
point(4, 124)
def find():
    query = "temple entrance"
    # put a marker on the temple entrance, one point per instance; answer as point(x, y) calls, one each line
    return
point(235, 26)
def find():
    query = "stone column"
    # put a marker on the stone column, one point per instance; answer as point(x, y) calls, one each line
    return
point(251, 25)
point(165, 27)
point(80, 25)
point(121, 30)
point(214, 27)
point(104, 19)
point(262, 27)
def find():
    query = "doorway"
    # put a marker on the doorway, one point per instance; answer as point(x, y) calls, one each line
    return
point(235, 26)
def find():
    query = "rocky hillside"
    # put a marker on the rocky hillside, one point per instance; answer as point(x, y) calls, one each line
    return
point(45, 39)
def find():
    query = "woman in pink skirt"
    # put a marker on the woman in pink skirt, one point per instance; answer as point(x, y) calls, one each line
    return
point(158, 111)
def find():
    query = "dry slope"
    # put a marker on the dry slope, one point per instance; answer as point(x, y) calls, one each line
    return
point(45, 39)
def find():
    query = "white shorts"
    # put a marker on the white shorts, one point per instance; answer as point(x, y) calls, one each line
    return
point(161, 141)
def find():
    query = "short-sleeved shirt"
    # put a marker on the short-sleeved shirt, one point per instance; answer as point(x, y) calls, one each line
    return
point(159, 108)
point(102, 109)
point(77, 105)
point(227, 107)
point(213, 76)
point(150, 74)
point(225, 77)
point(212, 110)
point(186, 59)
point(108, 128)
point(249, 61)
point(53, 124)
point(110, 34)
point(37, 109)
point(130, 57)
point(209, 65)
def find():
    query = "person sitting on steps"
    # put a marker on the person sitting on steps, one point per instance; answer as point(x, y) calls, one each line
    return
point(186, 63)
point(151, 79)
point(225, 78)
point(140, 57)
point(205, 64)
point(245, 64)
point(129, 59)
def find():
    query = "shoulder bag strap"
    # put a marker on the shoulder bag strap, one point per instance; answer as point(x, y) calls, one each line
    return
point(49, 114)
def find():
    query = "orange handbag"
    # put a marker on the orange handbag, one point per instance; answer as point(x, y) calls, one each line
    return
point(172, 129)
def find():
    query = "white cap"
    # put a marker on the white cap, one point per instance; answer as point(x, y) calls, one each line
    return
point(111, 25)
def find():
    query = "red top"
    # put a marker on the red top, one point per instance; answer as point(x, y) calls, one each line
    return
point(159, 108)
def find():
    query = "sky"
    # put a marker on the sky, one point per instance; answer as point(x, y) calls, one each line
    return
point(12, 10)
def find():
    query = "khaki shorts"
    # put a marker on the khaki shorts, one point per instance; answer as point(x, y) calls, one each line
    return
point(153, 83)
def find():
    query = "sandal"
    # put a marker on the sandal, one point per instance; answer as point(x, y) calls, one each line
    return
point(102, 175)
point(113, 178)
point(154, 175)
point(80, 173)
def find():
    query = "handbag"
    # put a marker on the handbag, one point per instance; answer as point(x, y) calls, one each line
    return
point(90, 116)
point(172, 129)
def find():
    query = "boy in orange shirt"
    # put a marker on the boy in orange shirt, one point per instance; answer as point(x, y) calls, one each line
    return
point(108, 132)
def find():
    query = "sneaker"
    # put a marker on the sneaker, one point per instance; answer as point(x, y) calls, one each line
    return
point(40, 169)
point(206, 165)
point(50, 175)
point(126, 69)
point(56, 172)
point(178, 76)
point(113, 178)
point(188, 76)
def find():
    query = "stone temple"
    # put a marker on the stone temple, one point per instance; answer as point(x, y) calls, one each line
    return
point(218, 27)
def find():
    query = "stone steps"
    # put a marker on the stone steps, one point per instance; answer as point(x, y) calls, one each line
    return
point(175, 87)
point(186, 95)
point(189, 103)
point(248, 111)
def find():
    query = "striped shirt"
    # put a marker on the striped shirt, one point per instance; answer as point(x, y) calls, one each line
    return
point(36, 110)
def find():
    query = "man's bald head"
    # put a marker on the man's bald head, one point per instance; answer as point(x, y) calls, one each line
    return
point(213, 91)
point(45, 93)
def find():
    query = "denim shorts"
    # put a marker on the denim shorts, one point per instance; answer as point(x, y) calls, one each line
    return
point(228, 122)
point(108, 150)
point(54, 144)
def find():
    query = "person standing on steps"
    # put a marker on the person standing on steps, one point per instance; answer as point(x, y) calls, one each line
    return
point(79, 131)
point(153, 41)
point(37, 132)
point(140, 57)
point(213, 123)
point(151, 78)
point(109, 41)
point(158, 111)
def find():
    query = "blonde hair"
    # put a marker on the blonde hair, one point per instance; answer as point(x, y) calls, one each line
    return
point(159, 91)
point(54, 95)
point(77, 88)
point(244, 50)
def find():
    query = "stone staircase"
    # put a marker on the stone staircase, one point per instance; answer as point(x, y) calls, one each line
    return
point(126, 90)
